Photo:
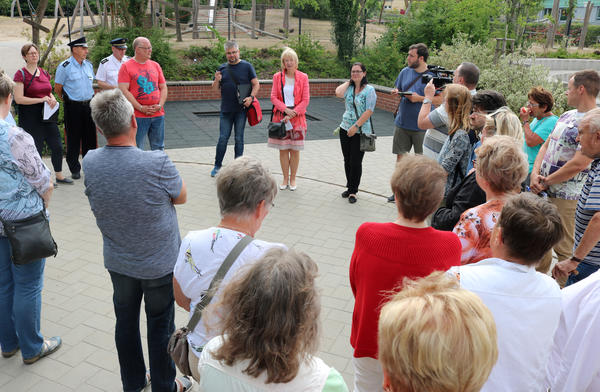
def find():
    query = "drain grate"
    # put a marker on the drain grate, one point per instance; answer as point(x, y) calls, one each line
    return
point(266, 112)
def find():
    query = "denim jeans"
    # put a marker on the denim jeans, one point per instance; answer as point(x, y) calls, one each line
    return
point(20, 303)
point(227, 121)
point(584, 270)
point(154, 127)
point(160, 312)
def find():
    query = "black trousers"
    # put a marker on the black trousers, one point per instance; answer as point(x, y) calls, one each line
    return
point(80, 132)
point(30, 119)
point(352, 159)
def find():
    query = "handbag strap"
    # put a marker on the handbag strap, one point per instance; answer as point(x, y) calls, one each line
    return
point(357, 116)
point(31, 81)
point(282, 97)
point(214, 284)
point(231, 75)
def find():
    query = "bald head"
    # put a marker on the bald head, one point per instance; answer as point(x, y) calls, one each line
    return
point(142, 49)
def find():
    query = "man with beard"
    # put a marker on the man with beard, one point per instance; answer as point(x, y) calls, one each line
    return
point(407, 134)
point(237, 82)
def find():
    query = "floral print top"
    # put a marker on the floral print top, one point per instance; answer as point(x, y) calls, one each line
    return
point(474, 229)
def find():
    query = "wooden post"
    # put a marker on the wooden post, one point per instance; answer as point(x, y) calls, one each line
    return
point(253, 24)
point(177, 23)
point(163, 12)
point(81, 17)
point(195, 34)
point(586, 22)
point(554, 26)
point(286, 18)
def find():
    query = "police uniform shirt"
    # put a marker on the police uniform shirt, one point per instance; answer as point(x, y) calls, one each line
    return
point(76, 79)
point(108, 70)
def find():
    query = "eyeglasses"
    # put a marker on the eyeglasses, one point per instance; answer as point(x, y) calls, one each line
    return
point(35, 53)
point(356, 72)
point(533, 105)
point(145, 47)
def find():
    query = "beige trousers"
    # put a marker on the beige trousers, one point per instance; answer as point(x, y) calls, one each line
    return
point(564, 249)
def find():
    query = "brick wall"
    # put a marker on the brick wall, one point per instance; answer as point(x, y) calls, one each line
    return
point(201, 90)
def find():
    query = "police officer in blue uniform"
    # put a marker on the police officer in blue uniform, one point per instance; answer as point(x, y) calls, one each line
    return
point(73, 82)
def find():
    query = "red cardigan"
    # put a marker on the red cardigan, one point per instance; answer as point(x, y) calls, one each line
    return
point(301, 99)
point(385, 253)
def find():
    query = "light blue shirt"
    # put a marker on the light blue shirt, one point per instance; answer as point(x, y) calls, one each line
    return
point(10, 119)
point(76, 79)
point(365, 100)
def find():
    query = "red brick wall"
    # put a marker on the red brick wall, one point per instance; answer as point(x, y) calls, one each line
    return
point(201, 90)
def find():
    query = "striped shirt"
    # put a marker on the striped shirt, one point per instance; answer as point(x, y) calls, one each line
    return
point(587, 206)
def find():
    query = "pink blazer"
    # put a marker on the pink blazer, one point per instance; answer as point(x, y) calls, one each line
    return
point(301, 99)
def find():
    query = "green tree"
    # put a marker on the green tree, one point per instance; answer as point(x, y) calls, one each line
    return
point(346, 30)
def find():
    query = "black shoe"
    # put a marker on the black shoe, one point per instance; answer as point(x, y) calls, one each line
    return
point(76, 176)
point(345, 194)
point(391, 199)
point(351, 199)
point(65, 180)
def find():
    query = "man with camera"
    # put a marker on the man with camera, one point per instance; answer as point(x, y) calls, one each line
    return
point(410, 86)
point(436, 121)
point(237, 82)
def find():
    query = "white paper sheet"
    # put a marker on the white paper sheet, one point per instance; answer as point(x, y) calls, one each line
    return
point(48, 111)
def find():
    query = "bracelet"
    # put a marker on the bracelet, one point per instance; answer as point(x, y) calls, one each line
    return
point(577, 259)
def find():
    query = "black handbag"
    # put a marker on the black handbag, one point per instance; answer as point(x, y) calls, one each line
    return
point(178, 347)
point(367, 142)
point(277, 129)
point(30, 238)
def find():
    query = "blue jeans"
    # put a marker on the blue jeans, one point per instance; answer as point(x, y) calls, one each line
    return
point(160, 313)
point(227, 121)
point(584, 270)
point(20, 303)
point(154, 127)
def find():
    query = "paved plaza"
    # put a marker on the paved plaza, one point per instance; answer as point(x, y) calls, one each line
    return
point(77, 294)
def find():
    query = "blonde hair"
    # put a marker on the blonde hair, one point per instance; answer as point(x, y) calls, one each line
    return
point(506, 123)
point(458, 107)
point(418, 183)
point(288, 53)
point(6, 85)
point(436, 337)
point(502, 163)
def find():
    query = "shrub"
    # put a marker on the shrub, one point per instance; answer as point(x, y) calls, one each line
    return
point(309, 11)
point(346, 30)
point(161, 51)
point(383, 61)
point(512, 75)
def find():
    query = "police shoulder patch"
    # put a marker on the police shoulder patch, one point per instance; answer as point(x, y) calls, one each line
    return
point(104, 60)
point(65, 63)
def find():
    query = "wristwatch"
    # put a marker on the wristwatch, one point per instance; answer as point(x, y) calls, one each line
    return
point(427, 100)
point(577, 259)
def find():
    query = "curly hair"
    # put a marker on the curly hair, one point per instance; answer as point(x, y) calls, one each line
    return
point(542, 97)
point(502, 163)
point(270, 316)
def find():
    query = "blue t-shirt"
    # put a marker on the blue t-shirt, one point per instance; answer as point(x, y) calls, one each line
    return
point(130, 194)
point(408, 112)
point(244, 72)
point(542, 128)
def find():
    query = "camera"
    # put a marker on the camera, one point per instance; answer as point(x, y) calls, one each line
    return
point(441, 76)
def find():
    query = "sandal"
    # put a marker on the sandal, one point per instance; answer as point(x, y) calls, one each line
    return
point(48, 347)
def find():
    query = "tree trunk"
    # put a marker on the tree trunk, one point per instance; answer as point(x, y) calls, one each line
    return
point(39, 16)
point(586, 22)
point(286, 18)
point(554, 26)
point(177, 22)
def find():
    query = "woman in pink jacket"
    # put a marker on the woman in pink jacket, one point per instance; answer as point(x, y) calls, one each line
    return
point(290, 96)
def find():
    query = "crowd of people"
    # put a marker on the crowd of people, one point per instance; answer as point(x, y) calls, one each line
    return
point(460, 277)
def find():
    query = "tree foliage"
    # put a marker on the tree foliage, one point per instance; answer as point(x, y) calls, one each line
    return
point(346, 30)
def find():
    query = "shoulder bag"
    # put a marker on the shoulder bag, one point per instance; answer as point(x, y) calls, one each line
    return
point(178, 347)
point(254, 113)
point(30, 238)
point(367, 142)
point(277, 129)
point(419, 75)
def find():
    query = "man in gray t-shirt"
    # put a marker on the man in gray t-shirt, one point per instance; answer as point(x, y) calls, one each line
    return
point(132, 194)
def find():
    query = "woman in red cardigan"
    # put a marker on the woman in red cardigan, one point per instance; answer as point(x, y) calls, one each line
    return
point(386, 253)
point(290, 96)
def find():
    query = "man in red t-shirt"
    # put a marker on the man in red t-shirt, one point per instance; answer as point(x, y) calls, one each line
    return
point(142, 81)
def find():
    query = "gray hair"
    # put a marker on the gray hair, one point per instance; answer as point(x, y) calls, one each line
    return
point(137, 42)
point(111, 112)
point(6, 85)
point(592, 119)
point(242, 185)
point(230, 44)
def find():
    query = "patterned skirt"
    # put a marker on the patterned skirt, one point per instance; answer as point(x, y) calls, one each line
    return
point(293, 140)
